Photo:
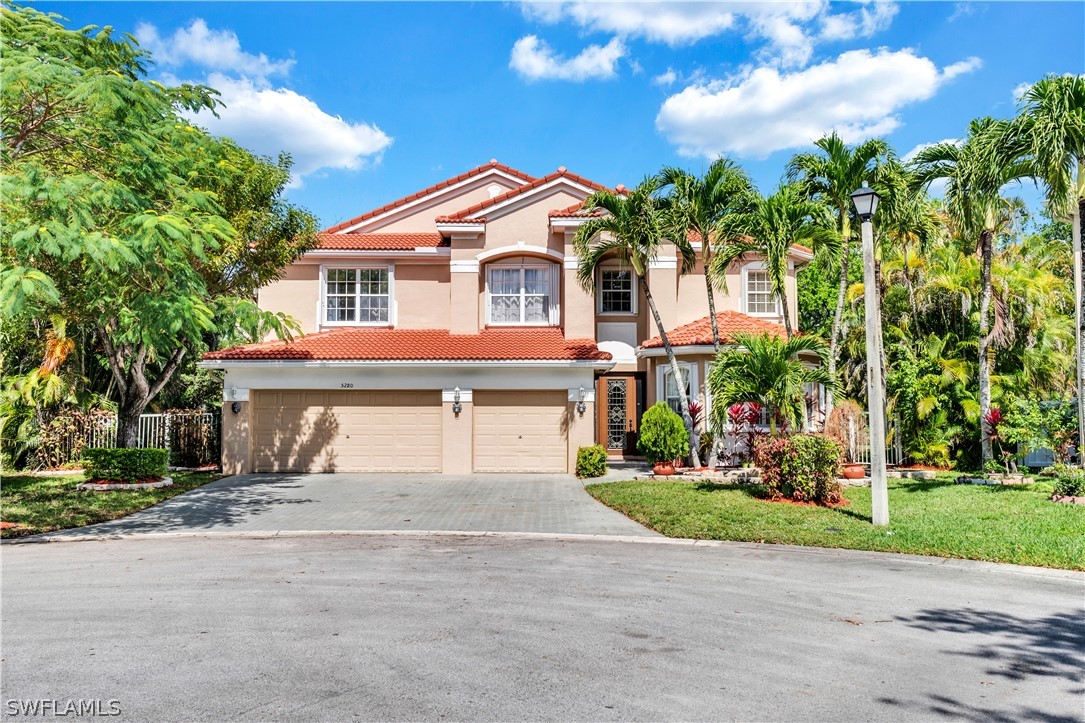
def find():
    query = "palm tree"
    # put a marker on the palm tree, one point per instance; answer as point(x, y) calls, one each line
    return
point(766, 370)
point(632, 229)
point(975, 171)
point(831, 176)
point(770, 228)
point(1051, 130)
point(692, 206)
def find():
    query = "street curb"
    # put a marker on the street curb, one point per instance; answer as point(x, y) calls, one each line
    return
point(752, 547)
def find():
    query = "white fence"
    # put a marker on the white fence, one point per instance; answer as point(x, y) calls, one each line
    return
point(192, 438)
point(734, 444)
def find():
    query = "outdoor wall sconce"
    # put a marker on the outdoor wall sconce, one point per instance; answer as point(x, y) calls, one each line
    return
point(581, 407)
point(456, 406)
point(235, 407)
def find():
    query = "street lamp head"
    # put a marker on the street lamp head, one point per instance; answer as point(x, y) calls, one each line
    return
point(866, 202)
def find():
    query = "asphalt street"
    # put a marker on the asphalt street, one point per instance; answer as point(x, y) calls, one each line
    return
point(319, 627)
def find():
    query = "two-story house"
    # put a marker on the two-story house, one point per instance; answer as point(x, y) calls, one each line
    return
point(446, 332)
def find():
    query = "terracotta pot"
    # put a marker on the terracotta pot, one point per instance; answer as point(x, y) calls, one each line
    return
point(854, 471)
point(663, 469)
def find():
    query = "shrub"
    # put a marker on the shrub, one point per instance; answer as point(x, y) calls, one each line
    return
point(591, 461)
point(802, 467)
point(663, 436)
point(124, 465)
point(1070, 481)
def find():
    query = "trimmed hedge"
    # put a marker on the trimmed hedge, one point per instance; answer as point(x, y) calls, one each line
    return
point(124, 465)
point(591, 461)
point(663, 436)
point(802, 467)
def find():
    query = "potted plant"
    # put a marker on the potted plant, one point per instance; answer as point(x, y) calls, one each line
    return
point(847, 425)
point(663, 438)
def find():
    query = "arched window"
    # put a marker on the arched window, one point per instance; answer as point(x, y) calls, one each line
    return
point(522, 291)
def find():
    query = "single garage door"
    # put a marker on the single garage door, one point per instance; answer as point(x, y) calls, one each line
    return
point(517, 431)
point(347, 431)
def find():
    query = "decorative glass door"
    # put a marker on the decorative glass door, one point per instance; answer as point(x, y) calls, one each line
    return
point(617, 412)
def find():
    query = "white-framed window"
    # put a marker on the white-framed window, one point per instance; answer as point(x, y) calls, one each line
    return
point(358, 296)
point(757, 296)
point(617, 291)
point(667, 389)
point(521, 294)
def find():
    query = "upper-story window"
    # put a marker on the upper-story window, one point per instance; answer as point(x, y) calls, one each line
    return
point(617, 293)
point(521, 294)
point(759, 298)
point(358, 295)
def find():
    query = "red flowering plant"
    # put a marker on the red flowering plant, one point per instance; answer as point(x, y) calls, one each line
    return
point(802, 467)
point(744, 417)
point(992, 423)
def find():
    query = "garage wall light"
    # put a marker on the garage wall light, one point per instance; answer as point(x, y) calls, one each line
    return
point(581, 407)
point(456, 406)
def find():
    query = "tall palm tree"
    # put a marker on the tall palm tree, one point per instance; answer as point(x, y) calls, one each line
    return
point(631, 228)
point(975, 171)
point(1051, 130)
point(770, 227)
point(692, 206)
point(831, 175)
point(766, 370)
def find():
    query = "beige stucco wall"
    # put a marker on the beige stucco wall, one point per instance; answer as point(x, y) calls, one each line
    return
point(297, 293)
point(457, 439)
point(422, 218)
point(423, 296)
point(530, 223)
point(581, 431)
point(236, 445)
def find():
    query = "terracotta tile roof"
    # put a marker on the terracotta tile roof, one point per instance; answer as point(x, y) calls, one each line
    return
point(730, 323)
point(421, 344)
point(427, 191)
point(378, 241)
point(577, 210)
point(472, 211)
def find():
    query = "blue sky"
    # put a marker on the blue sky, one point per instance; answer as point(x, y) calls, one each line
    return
point(377, 100)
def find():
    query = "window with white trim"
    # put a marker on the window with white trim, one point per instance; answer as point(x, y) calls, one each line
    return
point(521, 295)
point(617, 291)
point(759, 296)
point(358, 295)
point(670, 392)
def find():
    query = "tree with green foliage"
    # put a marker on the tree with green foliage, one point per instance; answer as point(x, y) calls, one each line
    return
point(1050, 132)
point(630, 227)
point(831, 175)
point(976, 170)
point(692, 206)
point(120, 214)
point(771, 226)
point(767, 370)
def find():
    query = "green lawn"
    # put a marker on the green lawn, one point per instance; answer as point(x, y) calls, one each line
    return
point(1015, 524)
point(43, 504)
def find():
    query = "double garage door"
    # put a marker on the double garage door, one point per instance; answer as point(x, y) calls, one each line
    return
point(400, 431)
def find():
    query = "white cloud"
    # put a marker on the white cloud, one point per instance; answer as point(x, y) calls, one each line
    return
point(764, 110)
point(790, 28)
point(268, 121)
point(907, 157)
point(1019, 91)
point(264, 118)
point(216, 50)
point(962, 67)
point(535, 60)
point(665, 78)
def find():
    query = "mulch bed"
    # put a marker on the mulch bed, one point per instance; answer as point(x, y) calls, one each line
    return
point(7, 525)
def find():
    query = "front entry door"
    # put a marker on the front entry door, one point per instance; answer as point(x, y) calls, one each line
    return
point(616, 398)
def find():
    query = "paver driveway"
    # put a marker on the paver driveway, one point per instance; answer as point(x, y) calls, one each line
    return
point(324, 502)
